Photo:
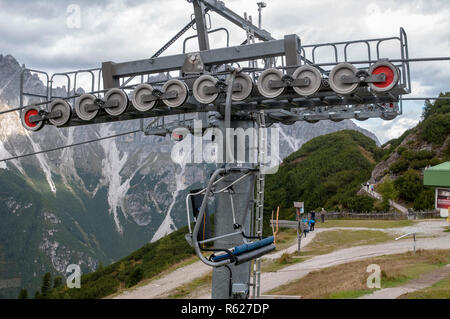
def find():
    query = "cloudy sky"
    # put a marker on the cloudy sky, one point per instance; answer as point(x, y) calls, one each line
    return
point(48, 34)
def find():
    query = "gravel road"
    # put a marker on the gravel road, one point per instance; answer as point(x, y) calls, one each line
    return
point(160, 287)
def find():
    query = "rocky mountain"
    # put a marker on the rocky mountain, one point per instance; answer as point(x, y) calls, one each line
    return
point(92, 203)
point(427, 144)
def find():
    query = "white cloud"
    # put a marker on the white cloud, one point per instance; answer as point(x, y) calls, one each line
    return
point(35, 32)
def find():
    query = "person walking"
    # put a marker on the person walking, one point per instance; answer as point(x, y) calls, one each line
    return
point(305, 226)
point(312, 221)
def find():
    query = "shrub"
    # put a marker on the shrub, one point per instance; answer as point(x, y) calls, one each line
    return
point(399, 166)
point(418, 164)
point(136, 276)
point(436, 128)
point(424, 200)
point(387, 190)
point(409, 185)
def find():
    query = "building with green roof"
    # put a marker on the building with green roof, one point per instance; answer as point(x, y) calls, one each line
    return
point(439, 177)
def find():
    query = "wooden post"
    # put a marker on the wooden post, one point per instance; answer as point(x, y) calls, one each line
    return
point(276, 231)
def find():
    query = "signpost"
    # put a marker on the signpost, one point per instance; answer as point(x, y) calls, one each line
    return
point(300, 209)
point(443, 201)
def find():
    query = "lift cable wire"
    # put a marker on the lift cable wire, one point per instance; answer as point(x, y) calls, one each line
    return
point(71, 145)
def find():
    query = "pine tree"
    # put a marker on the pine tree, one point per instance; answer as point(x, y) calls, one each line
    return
point(23, 294)
point(46, 285)
point(57, 282)
point(388, 191)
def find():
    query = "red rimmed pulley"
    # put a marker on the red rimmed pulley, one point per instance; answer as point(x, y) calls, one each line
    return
point(28, 120)
point(391, 73)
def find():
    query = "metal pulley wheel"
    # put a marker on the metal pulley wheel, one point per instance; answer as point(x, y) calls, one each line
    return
point(118, 96)
point(138, 93)
point(246, 83)
point(392, 76)
point(264, 83)
point(198, 89)
point(66, 112)
point(315, 80)
point(389, 116)
point(336, 82)
point(25, 117)
point(180, 88)
point(81, 104)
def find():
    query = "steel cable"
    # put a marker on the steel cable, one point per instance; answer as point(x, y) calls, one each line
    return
point(67, 146)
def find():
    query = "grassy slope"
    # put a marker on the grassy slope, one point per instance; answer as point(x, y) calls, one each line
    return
point(440, 290)
point(426, 144)
point(349, 280)
point(326, 172)
point(144, 263)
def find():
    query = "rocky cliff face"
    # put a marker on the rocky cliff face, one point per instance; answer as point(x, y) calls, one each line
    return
point(97, 202)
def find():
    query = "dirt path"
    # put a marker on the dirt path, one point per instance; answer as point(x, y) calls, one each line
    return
point(160, 287)
point(292, 249)
point(378, 196)
point(422, 282)
point(273, 280)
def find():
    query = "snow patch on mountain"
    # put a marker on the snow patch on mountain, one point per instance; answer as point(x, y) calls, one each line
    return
point(112, 164)
point(44, 165)
point(168, 225)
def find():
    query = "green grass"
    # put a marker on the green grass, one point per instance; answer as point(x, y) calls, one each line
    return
point(440, 290)
point(285, 238)
point(365, 223)
point(349, 294)
point(284, 261)
point(154, 259)
point(349, 280)
point(326, 242)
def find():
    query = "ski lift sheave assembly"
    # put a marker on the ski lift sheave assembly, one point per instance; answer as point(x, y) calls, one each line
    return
point(212, 83)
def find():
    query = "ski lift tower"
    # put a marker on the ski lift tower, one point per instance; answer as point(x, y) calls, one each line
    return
point(290, 86)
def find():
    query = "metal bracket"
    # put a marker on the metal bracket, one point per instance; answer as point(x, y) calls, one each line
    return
point(374, 78)
point(221, 87)
point(42, 116)
point(100, 104)
point(158, 95)
point(288, 81)
point(193, 64)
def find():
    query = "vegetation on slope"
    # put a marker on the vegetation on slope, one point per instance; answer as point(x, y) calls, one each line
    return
point(146, 262)
point(326, 172)
point(428, 144)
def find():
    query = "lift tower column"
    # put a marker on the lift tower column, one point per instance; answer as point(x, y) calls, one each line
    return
point(242, 195)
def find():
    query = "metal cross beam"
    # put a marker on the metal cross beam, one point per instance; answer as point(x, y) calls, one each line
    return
point(220, 8)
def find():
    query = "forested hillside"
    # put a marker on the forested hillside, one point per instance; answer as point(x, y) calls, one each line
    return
point(326, 172)
point(427, 144)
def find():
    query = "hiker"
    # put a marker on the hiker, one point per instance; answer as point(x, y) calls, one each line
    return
point(312, 221)
point(305, 226)
point(368, 186)
point(322, 215)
